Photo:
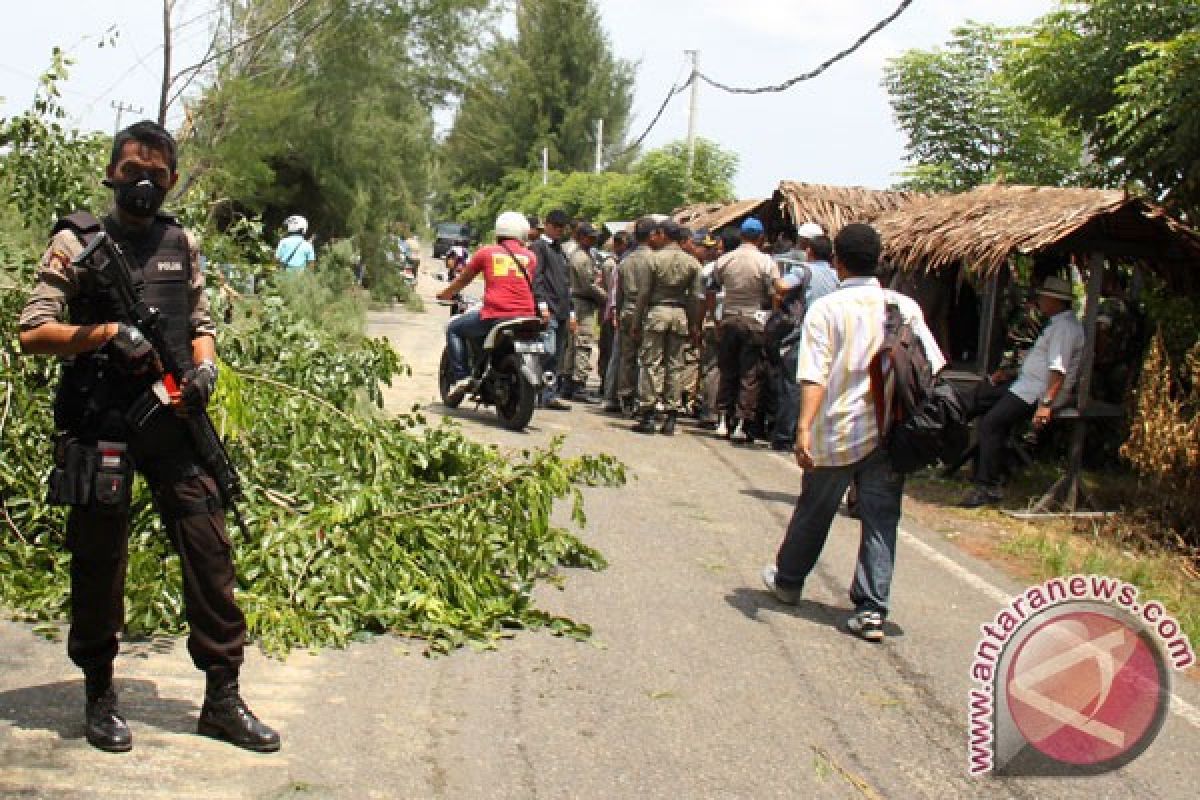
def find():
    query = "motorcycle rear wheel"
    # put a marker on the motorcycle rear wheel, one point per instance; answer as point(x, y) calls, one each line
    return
point(514, 406)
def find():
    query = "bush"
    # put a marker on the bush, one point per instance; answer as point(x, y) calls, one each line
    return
point(355, 524)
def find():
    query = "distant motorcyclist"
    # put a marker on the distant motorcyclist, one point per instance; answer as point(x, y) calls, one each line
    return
point(508, 269)
point(295, 252)
point(456, 260)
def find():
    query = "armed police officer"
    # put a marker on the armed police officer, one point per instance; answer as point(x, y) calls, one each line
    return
point(108, 370)
point(668, 312)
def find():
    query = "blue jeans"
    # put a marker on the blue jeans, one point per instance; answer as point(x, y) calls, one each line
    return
point(463, 327)
point(556, 346)
point(879, 494)
point(787, 406)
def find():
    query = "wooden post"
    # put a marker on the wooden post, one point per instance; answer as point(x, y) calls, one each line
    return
point(991, 300)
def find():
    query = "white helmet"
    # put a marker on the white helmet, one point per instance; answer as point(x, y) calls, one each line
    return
point(296, 224)
point(810, 230)
point(512, 225)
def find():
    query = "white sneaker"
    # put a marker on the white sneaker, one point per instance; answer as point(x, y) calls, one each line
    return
point(739, 433)
point(867, 624)
point(722, 428)
point(786, 596)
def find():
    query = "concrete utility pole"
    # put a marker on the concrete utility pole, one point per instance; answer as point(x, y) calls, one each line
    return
point(599, 144)
point(121, 108)
point(692, 107)
point(545, 165)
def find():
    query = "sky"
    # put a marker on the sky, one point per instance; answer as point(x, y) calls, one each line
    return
point(837, 128)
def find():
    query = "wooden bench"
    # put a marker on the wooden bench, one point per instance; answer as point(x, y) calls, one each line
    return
point(1068, 490)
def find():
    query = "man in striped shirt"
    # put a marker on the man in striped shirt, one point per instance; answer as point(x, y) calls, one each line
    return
point(837, 439)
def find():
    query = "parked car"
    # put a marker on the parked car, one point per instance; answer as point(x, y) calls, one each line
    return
point(449, 234)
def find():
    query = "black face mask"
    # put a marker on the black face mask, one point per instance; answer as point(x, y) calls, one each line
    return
point(140, 198)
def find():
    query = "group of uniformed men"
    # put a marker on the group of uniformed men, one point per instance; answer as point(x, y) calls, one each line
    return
point(688, 323)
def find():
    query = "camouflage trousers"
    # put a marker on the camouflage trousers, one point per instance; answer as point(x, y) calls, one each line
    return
point(581, 344)
point(663, 339)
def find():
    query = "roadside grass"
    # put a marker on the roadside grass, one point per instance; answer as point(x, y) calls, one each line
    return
point(1123, 545)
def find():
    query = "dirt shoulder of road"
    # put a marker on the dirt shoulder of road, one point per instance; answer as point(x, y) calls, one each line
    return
point(1033, 550)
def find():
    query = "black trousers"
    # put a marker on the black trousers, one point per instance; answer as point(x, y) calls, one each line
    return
point(739, 358)
point(998, 410)
point(195, 524)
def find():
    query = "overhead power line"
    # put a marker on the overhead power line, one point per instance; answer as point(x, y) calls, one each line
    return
point(782, 87)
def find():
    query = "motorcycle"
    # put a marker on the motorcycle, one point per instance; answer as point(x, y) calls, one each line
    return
point(506, 368)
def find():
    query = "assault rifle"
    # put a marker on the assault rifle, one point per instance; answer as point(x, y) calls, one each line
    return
point(115, 271)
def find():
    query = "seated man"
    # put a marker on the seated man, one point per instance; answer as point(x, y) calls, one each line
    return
point(1046, 380)
point(507, 269)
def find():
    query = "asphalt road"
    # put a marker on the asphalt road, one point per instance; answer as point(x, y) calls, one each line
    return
point(696, 684)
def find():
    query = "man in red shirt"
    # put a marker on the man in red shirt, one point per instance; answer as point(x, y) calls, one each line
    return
point(507, 269)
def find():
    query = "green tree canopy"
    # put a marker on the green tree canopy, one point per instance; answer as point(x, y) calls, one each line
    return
point(545, 88)
point(662, 183)
point(328, 112)
point(967, 125)
point(1125, 72)
point(655, 185)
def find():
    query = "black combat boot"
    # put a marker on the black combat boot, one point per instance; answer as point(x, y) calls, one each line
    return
point(645, 424)
point(105, 728)
point(225, 715)
point(668, 426)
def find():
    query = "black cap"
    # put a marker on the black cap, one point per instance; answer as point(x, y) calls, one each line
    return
point(585, 228)
point(558, 217)
point(533, 221)
point(673, 230)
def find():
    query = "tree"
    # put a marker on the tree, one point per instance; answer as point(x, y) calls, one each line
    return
point(327, 110)
point(1125, 73)
point(661, 183)
point(966, 124)
point(546, 88)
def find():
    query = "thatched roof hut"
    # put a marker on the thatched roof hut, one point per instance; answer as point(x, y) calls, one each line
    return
point(717, 215)
point(983, 227)
point(833, 207)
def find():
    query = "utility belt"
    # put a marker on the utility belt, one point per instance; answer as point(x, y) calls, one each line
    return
point(96, 475)
point(94, 470)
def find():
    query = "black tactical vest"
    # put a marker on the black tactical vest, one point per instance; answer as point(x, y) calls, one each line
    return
point(162, 272)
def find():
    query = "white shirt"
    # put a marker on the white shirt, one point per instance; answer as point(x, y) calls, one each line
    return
point(842, 333)
point(1059, 349)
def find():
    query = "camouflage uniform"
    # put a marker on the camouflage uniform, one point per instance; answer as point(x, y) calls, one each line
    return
point(666, 313)
point(1022, 328)
point(1117, 342)
point(631, 275)
point(588, 298)
point(185, 494)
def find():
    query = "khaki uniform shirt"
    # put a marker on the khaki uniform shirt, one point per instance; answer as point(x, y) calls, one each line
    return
point(672, 279)
point(584, 273)
point(748, 278)
point(632, 275)
point(58, 283)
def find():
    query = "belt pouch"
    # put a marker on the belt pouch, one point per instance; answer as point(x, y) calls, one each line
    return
point(70, 482)
point(113, 474)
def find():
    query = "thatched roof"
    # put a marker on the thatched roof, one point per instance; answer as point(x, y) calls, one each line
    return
point(983, 227)
point(834, 207)
point(716, 215)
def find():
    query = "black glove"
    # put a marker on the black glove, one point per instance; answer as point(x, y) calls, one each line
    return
point(198, 385)
point(132, 350)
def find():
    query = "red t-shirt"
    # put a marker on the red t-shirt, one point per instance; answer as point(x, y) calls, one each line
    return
point(506, 293)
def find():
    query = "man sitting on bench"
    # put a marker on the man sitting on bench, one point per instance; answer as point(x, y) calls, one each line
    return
point(1046, 381)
